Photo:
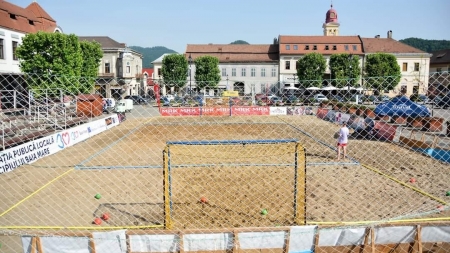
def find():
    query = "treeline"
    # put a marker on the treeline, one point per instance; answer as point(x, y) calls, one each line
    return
point(151, 53)
point(427, 45)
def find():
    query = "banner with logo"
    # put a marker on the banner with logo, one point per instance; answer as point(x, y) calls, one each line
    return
point(32, 151)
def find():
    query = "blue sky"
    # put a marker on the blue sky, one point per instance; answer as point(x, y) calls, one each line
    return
point(176, 23)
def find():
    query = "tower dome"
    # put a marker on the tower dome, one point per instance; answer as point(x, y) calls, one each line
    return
point(331, 16)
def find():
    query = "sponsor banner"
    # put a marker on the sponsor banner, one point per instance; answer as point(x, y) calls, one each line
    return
point(278, 110)
point(230, 93)
point(250, 110)
point(321, 113)
point(215, 111)
point(188, 111)
point(299, 110)
point(32, 151)
point(341, 117)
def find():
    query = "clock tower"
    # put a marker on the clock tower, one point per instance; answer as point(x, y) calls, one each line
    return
point(331, 25)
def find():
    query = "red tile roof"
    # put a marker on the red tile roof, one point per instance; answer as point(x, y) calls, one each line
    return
point(27, 20)
point(290, 39)
point(319, 44)
point(388, 45)
point(235, 52)
point(149, 72)
point(440, 57)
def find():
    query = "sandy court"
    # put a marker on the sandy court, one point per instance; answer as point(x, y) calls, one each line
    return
point(124, 165)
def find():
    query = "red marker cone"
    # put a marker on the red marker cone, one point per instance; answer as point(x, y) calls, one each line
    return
point(97, 221)
point(412, 180)
point(105, 217)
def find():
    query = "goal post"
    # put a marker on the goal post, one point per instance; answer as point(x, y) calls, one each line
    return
point(225, 181)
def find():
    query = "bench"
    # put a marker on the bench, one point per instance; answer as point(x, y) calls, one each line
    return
point(13, 129)
point(24, 138)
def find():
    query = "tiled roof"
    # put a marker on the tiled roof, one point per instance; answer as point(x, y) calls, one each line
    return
point(387, 45)
point(27, 20)
point(149, 71)
point(299, 45)
point(105, 41)
point(440, 57)
point(38, 12)
point(160, 59)
point(235, 52)
point(290, 39)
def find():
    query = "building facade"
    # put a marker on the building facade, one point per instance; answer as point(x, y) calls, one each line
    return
point(120, 69)
point(15, 23)
point(414, 63)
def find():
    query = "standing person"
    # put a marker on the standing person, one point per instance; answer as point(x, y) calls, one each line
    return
point(342, 140)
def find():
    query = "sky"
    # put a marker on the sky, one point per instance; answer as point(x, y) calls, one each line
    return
point(176, 23)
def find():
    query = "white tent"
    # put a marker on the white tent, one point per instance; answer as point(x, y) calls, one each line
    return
point(347, 88)
point(313, 88)
point(290, 88)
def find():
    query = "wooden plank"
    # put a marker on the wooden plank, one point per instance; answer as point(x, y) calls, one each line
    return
point(39, 245)
point(286, 241)
point(181, 244)
point(372, 239)
point(366, 240)
point(33, 245)
point(419, 238)
point(91, 243)
point(236, 246)
point(316, 243)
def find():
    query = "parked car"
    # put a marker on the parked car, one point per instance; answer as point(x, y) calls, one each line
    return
point(320, 98)
point(337, 98)
point(383, 99)
point(137, 100)
point(373, 99)
point(164, 101)
point(419, 98)
point(443, 101)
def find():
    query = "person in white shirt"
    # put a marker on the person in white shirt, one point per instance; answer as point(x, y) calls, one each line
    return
point(342, 140)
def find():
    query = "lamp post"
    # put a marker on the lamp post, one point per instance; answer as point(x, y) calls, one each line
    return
point(190, 75)
point(294, 79)
point(350, 56)
point(227, 81)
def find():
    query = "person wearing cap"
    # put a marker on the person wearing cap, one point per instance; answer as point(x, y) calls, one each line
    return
point(342, 140)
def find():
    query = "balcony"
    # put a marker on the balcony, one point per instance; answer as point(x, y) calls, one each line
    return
point(105, 74)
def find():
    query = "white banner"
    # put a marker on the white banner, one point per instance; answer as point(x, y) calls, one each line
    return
point(32, 151)
point(278, 111)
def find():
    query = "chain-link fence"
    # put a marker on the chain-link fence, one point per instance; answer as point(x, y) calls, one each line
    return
point(247, 166)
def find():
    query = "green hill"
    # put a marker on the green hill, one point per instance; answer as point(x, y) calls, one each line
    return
point(151, 53)
point(427, 45)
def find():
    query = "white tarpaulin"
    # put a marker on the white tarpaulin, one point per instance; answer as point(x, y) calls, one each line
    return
point(154, 243)
point(301, 239)
point(387, 235)
point(262, 240)
point(436, 234)
point(341, 236)
point(59, 244)
point(208, 242)
point(110, 242)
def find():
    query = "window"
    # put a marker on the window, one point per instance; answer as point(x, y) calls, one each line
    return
point(128, 69)
point(288, 47)
point(12, 16)
point(253, 72)
point(346, 47)
point(288, 65)
point(405, 67)
point(243, 72)
point(274, 72)
point(1, 49)
point(31, 22)
point(416, 66)
point(439, 70)
point(334, 47)
point(307, 47)
point(355, 47)
point(315, 47)
point(14, 47)
point(159, 72)
point(107, 67)
point(263, 72)
point(233, 72)
point(295, 47)
point(224, 72)
point(326, 47)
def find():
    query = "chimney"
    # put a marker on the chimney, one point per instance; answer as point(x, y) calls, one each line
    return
point(377, 36)
point(389, 34)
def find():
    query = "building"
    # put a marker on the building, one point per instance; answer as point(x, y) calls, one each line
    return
point(439, 73)
point(245, 68)
point(120, 70)
point(15, 23)
point(287, 49)
point(147, 82)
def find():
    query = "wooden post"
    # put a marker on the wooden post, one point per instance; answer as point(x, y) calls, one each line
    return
point(316, 243)
point(181, 245)
point(235, 242)
point(419, 238)
point(372, 239)
point(91, 243)
point(33, 245)
point(286, 241)
point(127, 236)
point(39, 245)
point(366, 239)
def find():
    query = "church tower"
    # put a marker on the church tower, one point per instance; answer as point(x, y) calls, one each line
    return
point(331, 25)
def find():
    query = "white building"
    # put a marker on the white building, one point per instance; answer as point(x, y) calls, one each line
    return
point(15, 23)
point(120, 70)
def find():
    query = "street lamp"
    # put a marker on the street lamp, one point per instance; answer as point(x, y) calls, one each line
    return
point(190, 75)
point(227, 81)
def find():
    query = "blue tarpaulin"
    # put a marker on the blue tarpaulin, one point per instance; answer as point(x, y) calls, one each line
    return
point(402, 106)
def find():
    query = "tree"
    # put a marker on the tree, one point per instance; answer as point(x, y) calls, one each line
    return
point(207, 73)
point(427, 45)
point(92, 54)
point(175, 70)
point(310, 69)
point(382, 71)
point(240, 42)
point(51, 59)
point(345, 70)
